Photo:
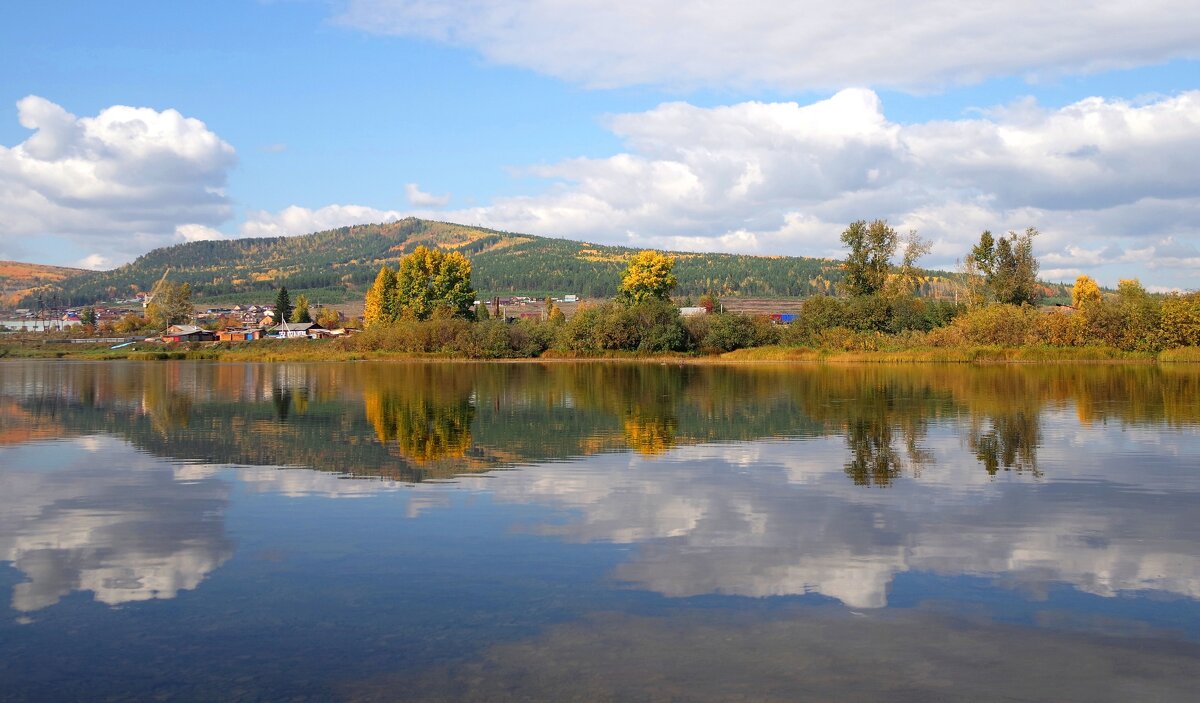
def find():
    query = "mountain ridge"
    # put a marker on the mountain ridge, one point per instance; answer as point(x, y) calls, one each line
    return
point(337, 265)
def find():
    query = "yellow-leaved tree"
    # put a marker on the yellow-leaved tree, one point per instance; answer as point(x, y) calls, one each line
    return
point(432, 280)
point(1085, 292)
point(647, 277)
point(377, 307)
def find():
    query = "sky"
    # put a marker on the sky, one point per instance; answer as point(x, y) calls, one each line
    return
point(749, 126)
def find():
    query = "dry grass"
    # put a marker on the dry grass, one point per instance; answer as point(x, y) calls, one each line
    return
point(1181, 355)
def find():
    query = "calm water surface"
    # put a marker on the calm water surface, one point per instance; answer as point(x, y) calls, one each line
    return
point(598, 532)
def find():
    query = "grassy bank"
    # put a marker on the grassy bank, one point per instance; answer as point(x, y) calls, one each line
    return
point(332, 350)
point(945, 355)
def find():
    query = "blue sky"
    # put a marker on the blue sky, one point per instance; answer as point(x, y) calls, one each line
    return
point(750, 126)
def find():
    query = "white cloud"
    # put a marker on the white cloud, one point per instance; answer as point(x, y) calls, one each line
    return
point(796, 524)
point(784, 178)
point(1110, 184)
point(125, 535)
point(420, 198)
point(95, 262)
point(795, 45)
point(123, 180)
point(300, 220)
point(197, 233)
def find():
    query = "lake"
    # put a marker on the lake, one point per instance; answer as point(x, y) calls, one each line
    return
point(378, 531)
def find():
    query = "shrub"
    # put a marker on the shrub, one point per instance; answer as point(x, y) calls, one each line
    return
point(730, 331)
point(1060, 330)
point(650, 326)
point(1180, 326)
point(868, 313)
point(1003, 325)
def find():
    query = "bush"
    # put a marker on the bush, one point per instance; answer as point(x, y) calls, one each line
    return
point(528, 338)
point(1003, 325)
point(869, 313)
point(845, 339)
point(653, 326)
point(1180, 326)
point(730, 331)
point(1060, 330)
point(822, 312)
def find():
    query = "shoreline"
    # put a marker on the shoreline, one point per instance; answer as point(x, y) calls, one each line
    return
point(302, 351)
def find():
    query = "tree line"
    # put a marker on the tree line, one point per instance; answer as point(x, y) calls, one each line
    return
point(876, 306)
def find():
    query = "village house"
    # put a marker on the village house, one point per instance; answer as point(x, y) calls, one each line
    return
point(294, 330)
point(240, 334)
point(187, 333)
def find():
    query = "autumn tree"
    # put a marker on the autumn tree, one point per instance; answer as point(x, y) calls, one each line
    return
point(380, 298)
point(88, 316)
point(329, 318)
point(907, 278)
point(130, 322)
point(1181, 320)
point(432, 280)
point(1085, 292)
point(1141, 313)
point(978, 269)
point(648, 276)
point(300, 313)
point(1006, 268)
point(870, 259)
point(171, 305)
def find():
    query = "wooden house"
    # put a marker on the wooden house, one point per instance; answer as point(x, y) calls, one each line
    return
point(295, 330)
point(240, 334)
point(187, 333)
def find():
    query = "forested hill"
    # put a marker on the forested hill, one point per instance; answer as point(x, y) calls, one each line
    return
point(19, 281)
point(339, 264)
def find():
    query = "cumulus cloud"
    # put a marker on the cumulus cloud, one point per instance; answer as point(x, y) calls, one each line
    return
point(95, 262)
point(1110, 183)
point(197, 233)
point(420, 198)
point(120, 182)
point(130, 534)
point(796, 524)
point(795, 45)
point(301, 220)
point(785, 178)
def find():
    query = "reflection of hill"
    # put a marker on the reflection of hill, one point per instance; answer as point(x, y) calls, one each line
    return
point(19, 425)
point(417, 421)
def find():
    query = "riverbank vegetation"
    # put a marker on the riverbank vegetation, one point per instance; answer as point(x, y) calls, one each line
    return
point(423, 308)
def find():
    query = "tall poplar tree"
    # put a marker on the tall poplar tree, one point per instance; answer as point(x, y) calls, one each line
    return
point(870, 259)
point(378, 307)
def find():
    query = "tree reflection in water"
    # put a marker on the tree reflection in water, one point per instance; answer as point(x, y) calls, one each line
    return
point(424, 411)
point(444, 419)
point(1010, 443)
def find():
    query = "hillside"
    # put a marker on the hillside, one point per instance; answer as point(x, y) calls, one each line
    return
point(338, 265)
point(21, 281)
